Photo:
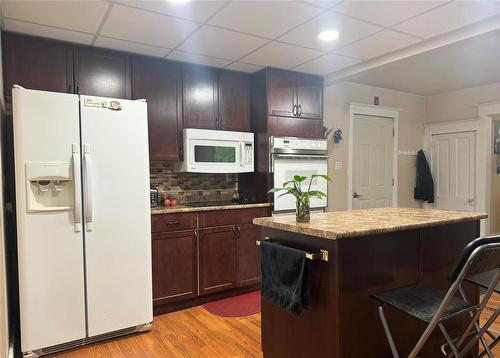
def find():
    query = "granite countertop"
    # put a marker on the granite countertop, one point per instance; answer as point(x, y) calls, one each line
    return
point(341, 224)
point(186, 209)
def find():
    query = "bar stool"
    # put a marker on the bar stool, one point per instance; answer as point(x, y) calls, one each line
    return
point(435, 307)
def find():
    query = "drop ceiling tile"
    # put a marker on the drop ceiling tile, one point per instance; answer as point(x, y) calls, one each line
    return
point(378, 44)
point(47, 31)
point(244, 67)
point(85, 16)
point(136, 25)
point(199, 59)
point(133, 47)
point(280, 55)
point(349, 30)
point(264, 18)
point(221, 43)
point(385, 13)
point(326, 64)
point(448, 17)
point(195, 10)
point(325, 4)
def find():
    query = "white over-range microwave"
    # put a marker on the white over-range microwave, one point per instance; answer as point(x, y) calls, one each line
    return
point(215, 151)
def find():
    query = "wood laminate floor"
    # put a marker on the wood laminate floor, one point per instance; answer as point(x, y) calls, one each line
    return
point(195, 333)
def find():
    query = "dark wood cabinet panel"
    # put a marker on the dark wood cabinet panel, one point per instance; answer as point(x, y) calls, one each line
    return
point(159, 82)
point(281, 96)
point(231, 217)
point(173, 222)
point(36, 63)
point(247, 254)
point(102, 73)
point(199, 88)
point(174, 258)
point(295, 127)
point(234, 101)
point(309, 96)
point(217, 259)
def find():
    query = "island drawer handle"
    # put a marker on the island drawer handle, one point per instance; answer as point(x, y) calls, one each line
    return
point(322, 255)
point(172, 222)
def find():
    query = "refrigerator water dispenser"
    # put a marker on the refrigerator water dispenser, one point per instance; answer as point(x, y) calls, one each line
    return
point(49, 186)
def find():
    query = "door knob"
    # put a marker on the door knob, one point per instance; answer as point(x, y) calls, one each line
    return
point(356, 195)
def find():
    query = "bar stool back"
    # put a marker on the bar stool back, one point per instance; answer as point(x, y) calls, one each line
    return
point(435, 307)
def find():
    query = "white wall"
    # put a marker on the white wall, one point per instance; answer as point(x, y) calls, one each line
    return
point(4, 323)
point(460, 104)
point(411, 120)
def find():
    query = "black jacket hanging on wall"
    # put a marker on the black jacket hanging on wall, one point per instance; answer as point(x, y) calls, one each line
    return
point(424, 188)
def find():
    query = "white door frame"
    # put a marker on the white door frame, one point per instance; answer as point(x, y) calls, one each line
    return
point(482, 126)
point(375, 111)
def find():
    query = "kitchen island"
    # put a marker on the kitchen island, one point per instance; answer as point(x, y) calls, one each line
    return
point(369, 251)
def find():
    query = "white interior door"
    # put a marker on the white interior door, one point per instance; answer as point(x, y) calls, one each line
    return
point(372, 180)
point(453, 166)
point(117, 214)
point(50, 248)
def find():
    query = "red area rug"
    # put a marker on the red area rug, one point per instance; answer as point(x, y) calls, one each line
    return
point(238, 306)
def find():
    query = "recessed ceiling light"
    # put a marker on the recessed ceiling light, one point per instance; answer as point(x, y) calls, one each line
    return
point(329, 35)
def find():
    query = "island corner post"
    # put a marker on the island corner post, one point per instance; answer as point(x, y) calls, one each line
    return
point(342, 320)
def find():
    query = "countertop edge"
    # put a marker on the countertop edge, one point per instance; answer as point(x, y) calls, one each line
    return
point(188, 209)
point(331, 235)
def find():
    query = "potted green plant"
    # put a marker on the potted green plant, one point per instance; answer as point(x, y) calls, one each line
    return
point(294, 187)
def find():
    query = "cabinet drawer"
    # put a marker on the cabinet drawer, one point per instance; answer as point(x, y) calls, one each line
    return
point(231, 217)
point(172, 222)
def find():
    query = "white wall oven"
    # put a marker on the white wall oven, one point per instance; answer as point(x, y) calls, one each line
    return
point(215, 151)
point(298, 156)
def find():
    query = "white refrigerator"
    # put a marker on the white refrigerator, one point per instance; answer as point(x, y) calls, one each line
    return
point(83, 219)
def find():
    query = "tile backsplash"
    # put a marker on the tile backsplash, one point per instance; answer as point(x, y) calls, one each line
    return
point(192, 187)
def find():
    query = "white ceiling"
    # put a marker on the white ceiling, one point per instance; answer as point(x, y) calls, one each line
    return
point(247, 35)
point(467, 63)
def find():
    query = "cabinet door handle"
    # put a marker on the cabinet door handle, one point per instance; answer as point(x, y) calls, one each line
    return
point(294, 110)
point(238, 230)
point(69, 88)
point(299, 110)
point(221, 123)
point(216, 123)
point(77, 89)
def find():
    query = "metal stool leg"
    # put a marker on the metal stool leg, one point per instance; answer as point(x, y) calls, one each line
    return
point(387, 332)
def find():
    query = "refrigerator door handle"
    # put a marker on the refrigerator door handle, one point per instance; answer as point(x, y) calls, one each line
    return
point(87, 165)
point(77, 199)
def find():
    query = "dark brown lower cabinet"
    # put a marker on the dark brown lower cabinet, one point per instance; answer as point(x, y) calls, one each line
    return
point(247, 254)
point(174, 257)
point(217, 259)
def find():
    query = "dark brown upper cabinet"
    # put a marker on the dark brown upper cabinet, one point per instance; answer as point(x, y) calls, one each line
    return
point(36, 63)
point(159, 82)
point(215, 99)
point(293, 94)
point(199, 88)
point(234, 101)
point(102, 73)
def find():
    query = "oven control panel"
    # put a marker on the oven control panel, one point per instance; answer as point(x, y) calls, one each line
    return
point(298, 144)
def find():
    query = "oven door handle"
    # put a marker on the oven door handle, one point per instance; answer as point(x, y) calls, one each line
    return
point(304, 156)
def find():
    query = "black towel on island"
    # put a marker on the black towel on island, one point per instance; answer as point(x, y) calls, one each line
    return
point(424, 188)
point(284, 276)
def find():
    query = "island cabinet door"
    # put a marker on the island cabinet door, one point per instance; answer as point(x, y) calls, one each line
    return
point(217, 259)
point(248, 255)
point(174, 266)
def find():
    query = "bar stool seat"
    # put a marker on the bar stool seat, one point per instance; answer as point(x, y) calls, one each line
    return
point(483, 280)
point(423, 302)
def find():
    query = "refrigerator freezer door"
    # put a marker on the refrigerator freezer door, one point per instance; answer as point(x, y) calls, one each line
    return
point(117, 213)
point(50, 246)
